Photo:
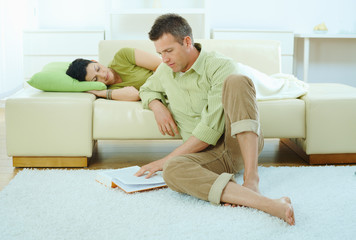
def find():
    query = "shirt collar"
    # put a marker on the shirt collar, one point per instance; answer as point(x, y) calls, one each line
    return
point(198, 65)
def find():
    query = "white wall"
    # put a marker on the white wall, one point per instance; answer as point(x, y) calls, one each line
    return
point(72, 14)
point(12, 21)
point(297, 15)
point(331, 60)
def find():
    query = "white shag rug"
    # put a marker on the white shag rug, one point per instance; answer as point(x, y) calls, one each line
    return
point(63, 204)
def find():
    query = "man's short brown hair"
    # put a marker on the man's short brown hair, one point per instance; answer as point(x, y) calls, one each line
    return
point(173, 24)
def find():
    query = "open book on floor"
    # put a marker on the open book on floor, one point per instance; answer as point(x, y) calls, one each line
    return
point(124, 178)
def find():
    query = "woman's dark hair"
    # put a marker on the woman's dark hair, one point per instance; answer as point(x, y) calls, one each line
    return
point(173, 24)
point(78, 69)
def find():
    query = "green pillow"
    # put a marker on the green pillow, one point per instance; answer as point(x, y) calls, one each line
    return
point(53, 78)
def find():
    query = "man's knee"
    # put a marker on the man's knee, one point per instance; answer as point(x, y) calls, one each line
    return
point(235, 84)
point(172, 170)
point(237, 81)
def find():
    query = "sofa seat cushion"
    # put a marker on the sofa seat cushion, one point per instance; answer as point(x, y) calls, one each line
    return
point(124, 120)
point(128, 120)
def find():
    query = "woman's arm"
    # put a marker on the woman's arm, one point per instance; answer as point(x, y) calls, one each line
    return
point(147, 60)
point(122, 94)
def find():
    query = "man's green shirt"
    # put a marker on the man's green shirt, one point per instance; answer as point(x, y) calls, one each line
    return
point(194, 97)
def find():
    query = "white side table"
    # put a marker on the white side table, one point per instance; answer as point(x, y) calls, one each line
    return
point(307, 37)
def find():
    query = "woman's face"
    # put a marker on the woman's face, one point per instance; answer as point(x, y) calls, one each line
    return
point(99, 73)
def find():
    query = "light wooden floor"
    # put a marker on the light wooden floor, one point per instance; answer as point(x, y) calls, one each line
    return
point(108, 154)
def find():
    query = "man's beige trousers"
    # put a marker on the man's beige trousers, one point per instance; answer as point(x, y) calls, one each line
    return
point(205, 174)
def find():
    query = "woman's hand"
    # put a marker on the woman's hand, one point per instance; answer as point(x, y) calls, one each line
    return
point(98, 93)
point(122, 94)
point(126, 94)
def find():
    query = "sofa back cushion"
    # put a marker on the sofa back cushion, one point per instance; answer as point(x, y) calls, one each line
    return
point(264, 55)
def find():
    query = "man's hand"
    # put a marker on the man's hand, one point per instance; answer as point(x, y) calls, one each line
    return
point(164, 119)
point(192, 145)
point(151, 168)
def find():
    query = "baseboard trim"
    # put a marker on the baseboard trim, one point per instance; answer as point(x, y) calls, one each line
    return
point(20, 161)
point(342, 158)
point(320, 159)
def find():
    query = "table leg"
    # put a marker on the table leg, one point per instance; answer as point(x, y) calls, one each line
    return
point(306, 59)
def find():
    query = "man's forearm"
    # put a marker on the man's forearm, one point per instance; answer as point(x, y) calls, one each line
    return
point(192, 145)
point(154, 103)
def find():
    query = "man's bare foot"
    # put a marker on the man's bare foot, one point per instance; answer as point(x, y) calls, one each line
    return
point(252, 184)
point(284, 210)
point(251, 180)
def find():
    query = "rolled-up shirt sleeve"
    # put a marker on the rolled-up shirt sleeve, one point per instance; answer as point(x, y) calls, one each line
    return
point(151, 90)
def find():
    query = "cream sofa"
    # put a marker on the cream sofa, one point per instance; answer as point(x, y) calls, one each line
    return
point(52, 129)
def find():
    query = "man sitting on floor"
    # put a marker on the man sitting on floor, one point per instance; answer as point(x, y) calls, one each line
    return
point(216, 113)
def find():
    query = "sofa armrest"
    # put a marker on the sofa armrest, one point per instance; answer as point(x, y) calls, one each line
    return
point(330, 119)
point(49, 124)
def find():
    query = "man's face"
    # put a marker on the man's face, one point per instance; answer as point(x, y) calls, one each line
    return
point(174, 54)
point(99, 73)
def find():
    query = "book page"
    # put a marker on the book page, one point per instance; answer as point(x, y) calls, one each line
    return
point(126, 176)
point(130, 188)
point(125, 179)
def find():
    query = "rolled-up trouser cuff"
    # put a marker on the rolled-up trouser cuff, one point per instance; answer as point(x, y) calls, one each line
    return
point(246, 125)
point(218, 187)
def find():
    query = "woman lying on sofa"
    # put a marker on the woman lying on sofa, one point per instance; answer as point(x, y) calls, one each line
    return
point(124, 76)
